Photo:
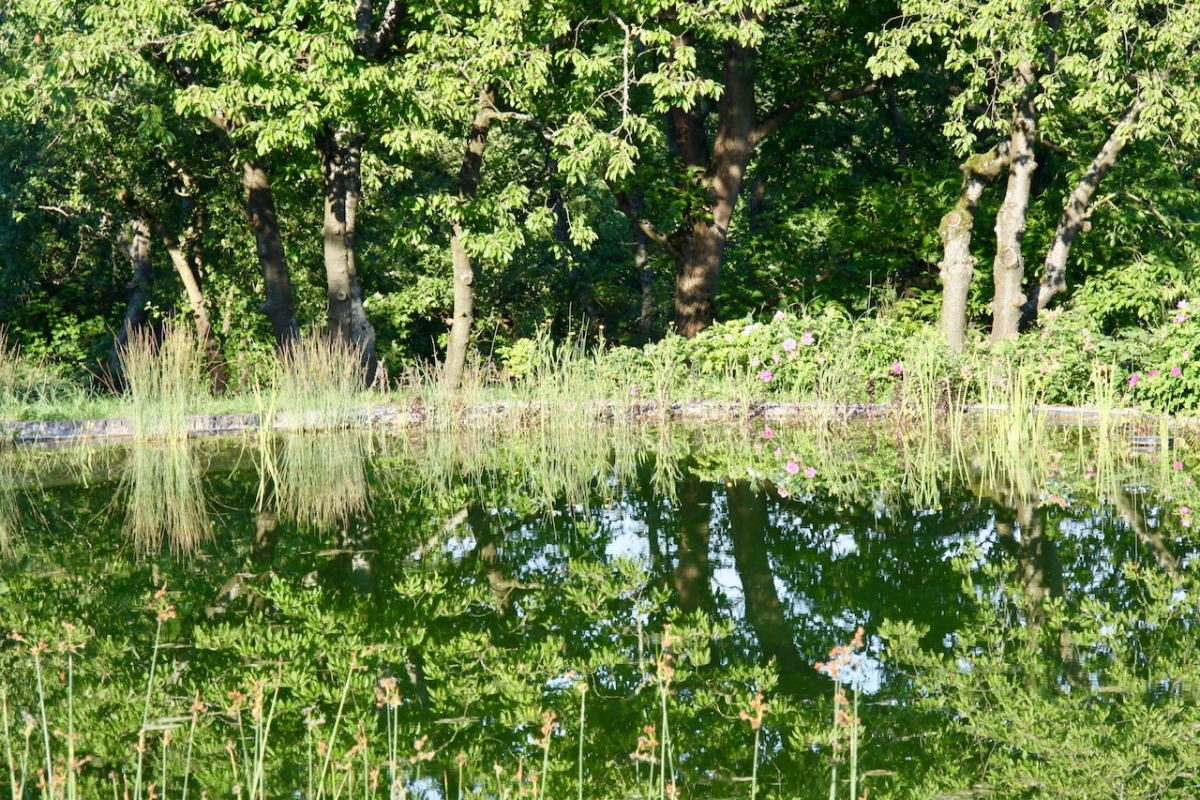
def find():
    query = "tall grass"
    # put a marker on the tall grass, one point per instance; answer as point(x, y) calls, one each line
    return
point(165, 379)
point(164, 497)
point(34, 388)
point(319, 383)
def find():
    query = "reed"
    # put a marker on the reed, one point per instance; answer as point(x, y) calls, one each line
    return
point(165, 379)
point(164, 496)
point(320, 383)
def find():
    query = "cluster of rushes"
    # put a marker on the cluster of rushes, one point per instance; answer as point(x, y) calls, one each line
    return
point(355, 772)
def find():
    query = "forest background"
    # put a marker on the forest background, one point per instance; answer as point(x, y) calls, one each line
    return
point(467, 182)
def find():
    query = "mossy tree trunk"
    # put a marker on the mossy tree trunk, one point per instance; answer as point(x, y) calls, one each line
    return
point(1008, 273)
point(957, 267)
point(136, 245)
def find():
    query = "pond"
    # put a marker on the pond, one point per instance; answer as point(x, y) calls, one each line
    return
point(603, 611)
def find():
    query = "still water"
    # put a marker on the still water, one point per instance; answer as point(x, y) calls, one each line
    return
point(594, 613)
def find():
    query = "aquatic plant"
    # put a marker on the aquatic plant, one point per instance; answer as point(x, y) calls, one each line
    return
point(165, 379)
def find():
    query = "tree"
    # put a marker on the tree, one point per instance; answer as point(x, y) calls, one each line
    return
point(705, 71)
point(1071, 80)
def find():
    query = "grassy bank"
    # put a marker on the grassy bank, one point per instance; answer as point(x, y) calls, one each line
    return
point(823, 357)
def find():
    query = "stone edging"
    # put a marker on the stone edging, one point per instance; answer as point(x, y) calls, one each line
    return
point(517, 414)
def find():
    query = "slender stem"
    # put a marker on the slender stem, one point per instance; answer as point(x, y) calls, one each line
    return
point(37, 663)
point(71, 788)
point(12, 767)
point(164, 765)
point(187, 761)
point(754, 767)
point(854, 748)
point(336, 721)
point(545, 768)
point(367, 768)
point(837, 689)
point(582, 719)
point(141, 746)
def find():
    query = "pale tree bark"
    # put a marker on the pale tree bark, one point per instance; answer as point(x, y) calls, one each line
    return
point(341, 171)
point(460, 260)
point(1074, 219)
point(135, 244)
point(1008, 273)
point(279, 304)
point(189, 273)
point(957, 267)
point(186, 259)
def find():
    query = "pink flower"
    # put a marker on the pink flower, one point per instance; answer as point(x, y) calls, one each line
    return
point(783, 492)
point(633, 390)
point(789, 344)
point(778, 316)
point(807, 339)
point(1187, 355)
point(897, 368)
point(758, 447)
point(1152, 373)
point(1180, 318)
point(766, 376)
point(1133, 380)
point(792, 467)
point(754, 362)
point(1182, 304)
point(775, 357)
point(778, 452)
point(810, 473)
point(768, 433)
point(1176, 372)
point(1178, 465)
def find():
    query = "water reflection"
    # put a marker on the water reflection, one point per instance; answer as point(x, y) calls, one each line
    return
point(488, 573)
point(164, 497)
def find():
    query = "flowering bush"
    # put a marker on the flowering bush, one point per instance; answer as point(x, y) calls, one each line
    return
point(1167, 376)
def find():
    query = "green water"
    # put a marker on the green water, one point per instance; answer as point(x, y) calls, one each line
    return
point(1028, 614)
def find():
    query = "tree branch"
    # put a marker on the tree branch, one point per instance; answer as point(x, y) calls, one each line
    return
point(643, 224)
point(780, 116)
point(373, 43)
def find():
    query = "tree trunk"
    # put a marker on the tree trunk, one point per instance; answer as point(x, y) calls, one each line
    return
point(341, 170)
point(1009, 269)
point(698, 262)
point(137, 248)
point(748, 520)
point(648, 319)
point(1074, 217)
point(279, 304)
point(188, 272)
point(693, 576)
point(958, 265)
point(464, 272)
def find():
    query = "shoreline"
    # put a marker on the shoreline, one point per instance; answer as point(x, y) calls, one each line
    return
point(520, 413)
